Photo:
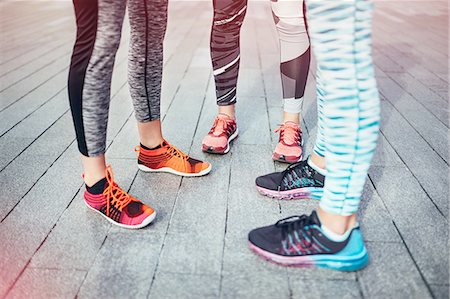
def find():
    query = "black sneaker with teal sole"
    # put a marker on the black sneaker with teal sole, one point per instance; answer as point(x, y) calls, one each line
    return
point(299, 241)
point(298, 181)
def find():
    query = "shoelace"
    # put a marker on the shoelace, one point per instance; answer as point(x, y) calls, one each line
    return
point(297, 224)
point(176, 152)
point(114, 194)
point(293, 166)
point(220, 125)
point(289, 134)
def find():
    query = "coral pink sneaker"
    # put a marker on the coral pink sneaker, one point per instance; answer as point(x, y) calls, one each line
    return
point(289, 147)
point(117, 206)
point(221, 134)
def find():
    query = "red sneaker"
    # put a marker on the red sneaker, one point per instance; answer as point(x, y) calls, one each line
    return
point(118, 207)
point(289, 147)
point(221, 134)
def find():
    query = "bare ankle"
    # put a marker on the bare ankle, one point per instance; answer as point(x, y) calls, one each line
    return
point(336, 223)
point(93, 169)
point(228, 110)
point(319, 161)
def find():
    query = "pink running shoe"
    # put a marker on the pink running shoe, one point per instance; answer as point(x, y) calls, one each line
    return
point(289, 147)
point(221, 134)
point(117, 206)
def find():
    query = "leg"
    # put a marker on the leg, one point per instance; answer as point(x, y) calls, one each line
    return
point(98, 36)
point(351, 103)
point(225, 56)
point(148, 22)
point(225, 48)
point(290, 22)
point(341, 36)
point(99, 25)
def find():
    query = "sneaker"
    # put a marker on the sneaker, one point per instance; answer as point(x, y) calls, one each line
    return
point(167, 158)
point(117, 206)
point(299, 241)
point(289, 147)
point(298, 181)
point(221, 134)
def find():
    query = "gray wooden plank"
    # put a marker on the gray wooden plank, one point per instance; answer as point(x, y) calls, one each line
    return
point(322, 288)
point(440, 291)
point(425, 123)
point(391, 273)
point(421, 225)
point(402, 137)
point(47, 283)
point(28, 224)
point(246, 211)
point(425, 96)
point(175, 285)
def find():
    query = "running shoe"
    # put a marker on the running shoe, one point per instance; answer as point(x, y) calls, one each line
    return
point(298, 181)
point(167, 158)
point(221, 134)
point(299, 241)
point(289, 147)
point(117, 206)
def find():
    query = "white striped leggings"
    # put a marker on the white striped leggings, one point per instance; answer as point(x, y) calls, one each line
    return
point(348, 100)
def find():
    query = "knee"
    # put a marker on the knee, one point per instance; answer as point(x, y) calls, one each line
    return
point(290, 22)
point(229, 20)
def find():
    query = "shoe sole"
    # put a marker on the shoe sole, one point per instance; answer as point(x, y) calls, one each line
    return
point(173, 171)
point(227, 149)
point(280, 158)
point(144, 223)
point(301, 193)
point(340, 263)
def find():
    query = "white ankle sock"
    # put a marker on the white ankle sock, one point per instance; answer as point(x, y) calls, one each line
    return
point(334, 236)
point(316, 168)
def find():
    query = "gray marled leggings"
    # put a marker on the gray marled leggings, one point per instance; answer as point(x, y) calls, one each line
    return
point(99, 26)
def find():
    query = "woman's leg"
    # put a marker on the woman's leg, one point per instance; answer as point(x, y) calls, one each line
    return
point(225, 55)
point(289, 17)
point(99, 26)
point(341, 36)
point(148, 22)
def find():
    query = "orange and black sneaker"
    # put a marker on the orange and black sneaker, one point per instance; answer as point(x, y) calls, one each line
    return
point(167, 158)
point(118, 207)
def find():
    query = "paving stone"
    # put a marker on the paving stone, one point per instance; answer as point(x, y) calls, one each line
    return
point(18, 178)
point(123, 267)
point(174, 285)
point(10, 147)
point(427, 240)
point(306, 288)
point(440, 291)
point(47, 283)
point(33, 218)
point(423, 94)
point(402, 138)
point(77, 249)
point(428, 126)
point(390, 262)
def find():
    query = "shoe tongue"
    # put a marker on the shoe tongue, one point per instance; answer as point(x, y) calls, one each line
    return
point(291, 124)
point(314, 218)
point(224, 116)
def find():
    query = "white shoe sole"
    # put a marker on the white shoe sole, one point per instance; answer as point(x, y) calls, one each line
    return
point(144, 223)
point(173, 171)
